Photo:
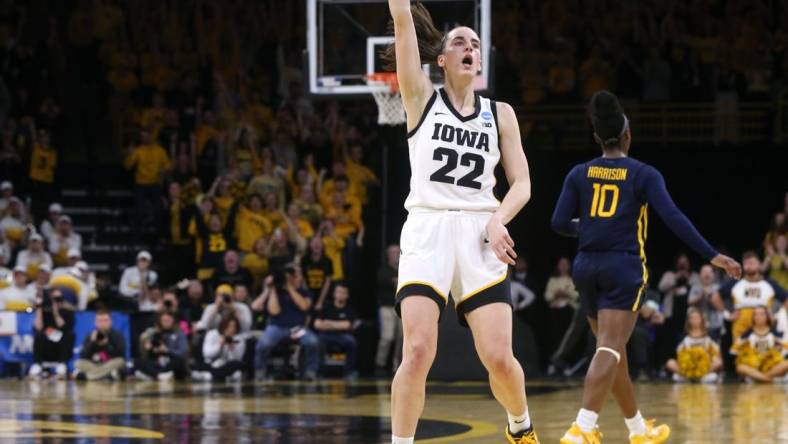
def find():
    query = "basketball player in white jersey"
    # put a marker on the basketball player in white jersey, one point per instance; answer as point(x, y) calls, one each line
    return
point(455, 239)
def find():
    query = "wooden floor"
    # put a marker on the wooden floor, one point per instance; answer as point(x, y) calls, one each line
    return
point(335, 412)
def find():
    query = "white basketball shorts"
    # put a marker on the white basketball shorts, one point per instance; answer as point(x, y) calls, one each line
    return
point(446, 252)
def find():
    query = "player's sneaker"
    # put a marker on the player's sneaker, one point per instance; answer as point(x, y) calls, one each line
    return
point(576, 436)
point(653, 435)
point(527, 436)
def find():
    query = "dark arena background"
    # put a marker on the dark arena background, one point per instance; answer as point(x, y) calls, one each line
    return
point(164, 162)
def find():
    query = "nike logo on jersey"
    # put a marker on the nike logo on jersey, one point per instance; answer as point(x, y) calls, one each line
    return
point(461, 136)
point(440, 114)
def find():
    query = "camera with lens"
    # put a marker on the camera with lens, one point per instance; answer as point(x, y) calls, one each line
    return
point(100, 336)
point(280, 275)
point(168, 304)
point(156, 340)
point(228, 339)
point(227, 299)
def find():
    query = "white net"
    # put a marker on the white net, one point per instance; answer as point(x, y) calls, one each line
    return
point(390, 110)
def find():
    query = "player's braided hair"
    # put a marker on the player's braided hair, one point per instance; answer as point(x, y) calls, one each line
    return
point(431, 40)
point(607, 118)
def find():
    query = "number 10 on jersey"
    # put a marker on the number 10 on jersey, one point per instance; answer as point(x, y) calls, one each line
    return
point(605, 200)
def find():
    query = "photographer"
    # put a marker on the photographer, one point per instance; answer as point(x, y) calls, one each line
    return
point(335, 325)
point(224, 305)
point(223, 352)
point(54, 333)
point(287, 303)
point(163, 351)
point(103, 352)
point(169, 302)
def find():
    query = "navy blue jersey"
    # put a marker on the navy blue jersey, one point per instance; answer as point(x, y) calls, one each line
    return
point(611, 197)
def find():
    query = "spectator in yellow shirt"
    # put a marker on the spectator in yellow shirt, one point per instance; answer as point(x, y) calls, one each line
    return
point(153, 117)
point(308, 206)
point(251, 224)
point(149, 162)
point(345, 215)
point(776, 262)
point(269, 180)
point(304, 177)
point(272, 209)
point(258, 114)
point(339, 181)
point(332, 248)
point(257, 262)
point(223, 198)
point(339, 184)
point(43, 162)
point(359, 174)
point(243, 156)
point(303, 226)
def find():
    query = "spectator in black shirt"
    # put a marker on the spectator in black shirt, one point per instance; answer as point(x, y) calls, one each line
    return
point(216, 239)
point(231, 272)
point(335, 325)
point(390, 324)
point(317, 271)
point(103, 353)
point(54, 333)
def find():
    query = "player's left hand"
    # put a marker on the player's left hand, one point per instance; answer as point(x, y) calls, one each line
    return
point(728, 264)
point(500, 241)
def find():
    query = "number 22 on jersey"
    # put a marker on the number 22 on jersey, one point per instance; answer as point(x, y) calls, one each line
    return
point(451, 163)
point(605, 200)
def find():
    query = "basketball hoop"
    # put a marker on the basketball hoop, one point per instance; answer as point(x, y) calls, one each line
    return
point(390, 109)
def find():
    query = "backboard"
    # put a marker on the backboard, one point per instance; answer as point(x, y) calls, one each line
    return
point(344, 38)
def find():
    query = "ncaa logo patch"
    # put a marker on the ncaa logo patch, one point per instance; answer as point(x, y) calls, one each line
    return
point(487, 115)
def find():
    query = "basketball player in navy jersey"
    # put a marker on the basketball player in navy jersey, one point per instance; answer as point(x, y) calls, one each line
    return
point(455, 238)
point(611, 195)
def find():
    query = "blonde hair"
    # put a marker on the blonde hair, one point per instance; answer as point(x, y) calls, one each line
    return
point(703, 327)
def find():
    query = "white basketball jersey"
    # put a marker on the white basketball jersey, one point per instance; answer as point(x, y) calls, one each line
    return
point(453, 158)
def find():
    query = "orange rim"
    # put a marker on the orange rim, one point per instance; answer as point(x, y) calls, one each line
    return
point(389, 78)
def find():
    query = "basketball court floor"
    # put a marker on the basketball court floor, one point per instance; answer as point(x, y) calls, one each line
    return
point(336, 412)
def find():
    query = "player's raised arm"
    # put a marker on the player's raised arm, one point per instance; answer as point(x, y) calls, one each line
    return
point(409, 50)
point(515, 166)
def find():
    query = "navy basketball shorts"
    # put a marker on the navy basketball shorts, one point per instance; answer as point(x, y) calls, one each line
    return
point(609, 280)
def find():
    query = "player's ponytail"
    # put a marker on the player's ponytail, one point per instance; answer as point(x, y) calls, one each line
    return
point(430, 39)
point(607, 118)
